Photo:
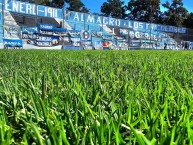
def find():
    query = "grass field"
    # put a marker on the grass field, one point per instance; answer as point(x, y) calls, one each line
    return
point(96, 97)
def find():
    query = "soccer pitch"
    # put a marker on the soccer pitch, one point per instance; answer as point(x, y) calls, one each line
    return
point(96, 97)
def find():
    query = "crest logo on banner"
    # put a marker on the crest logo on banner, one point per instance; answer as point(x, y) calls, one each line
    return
point(131, 34)
point(85, 35)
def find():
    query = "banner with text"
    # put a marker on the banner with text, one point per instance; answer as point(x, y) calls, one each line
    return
point(10, 43)
point(29, 8)
point(12, 32)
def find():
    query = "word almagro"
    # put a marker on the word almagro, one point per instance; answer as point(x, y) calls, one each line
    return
point(130, 24)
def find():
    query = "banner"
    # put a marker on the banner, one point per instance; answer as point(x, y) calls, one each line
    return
point(75, 38)
point(87, 45)
point(122, 46)
point(75, 41)
point(47, 41)
point(46, 27)
point(29, 32)
point(107, 37)
point(29, 8)
point(12, 32)
point(107, 44)
point(70, 47)
point(11, 43)
point(143, 35)
point(97, 34)
point(60, 31)
point(50, 29)
point(74, 33)
point(97, 44)
point(100, 20)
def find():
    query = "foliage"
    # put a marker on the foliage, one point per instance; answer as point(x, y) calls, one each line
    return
point(73, 5)
point(77, 5)
point(144, 10)
point(96, 97)
point(176, 13)
point(189, 21)
point(113, 8)
point(57, 3)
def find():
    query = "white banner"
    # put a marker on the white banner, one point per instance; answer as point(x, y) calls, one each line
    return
point(13, 32)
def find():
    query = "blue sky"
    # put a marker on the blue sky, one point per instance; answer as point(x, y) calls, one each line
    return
point(94, 5)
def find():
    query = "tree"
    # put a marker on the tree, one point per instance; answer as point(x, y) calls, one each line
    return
point(189, 21)
point(39, 2)
point(175, 14)
point(58, 3)
point(113, 8)
point(77, 5)
point(144, 10)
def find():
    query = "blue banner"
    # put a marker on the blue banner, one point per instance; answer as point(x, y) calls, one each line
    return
point(140, 26)
point(46, 27)
point(50, 29)
point(60, 31)
point(70, 47)
point(12, 43)
point(47, 41)
point(29, 30)
point(28, 8)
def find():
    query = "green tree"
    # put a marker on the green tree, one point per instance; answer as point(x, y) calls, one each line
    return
point(113, 8)
point(175, 14)
point(77, 5)
point(58, 3)
point(144, 10)
point(189, 21)
point(41, 2)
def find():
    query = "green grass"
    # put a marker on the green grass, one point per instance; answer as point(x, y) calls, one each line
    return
point(96, 97)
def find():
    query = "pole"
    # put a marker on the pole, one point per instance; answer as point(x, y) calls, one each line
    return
point(36, 19)
point(84, 22)
point(102, 31)
point(3, 17)
point(63, 14)
point(3, 2)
